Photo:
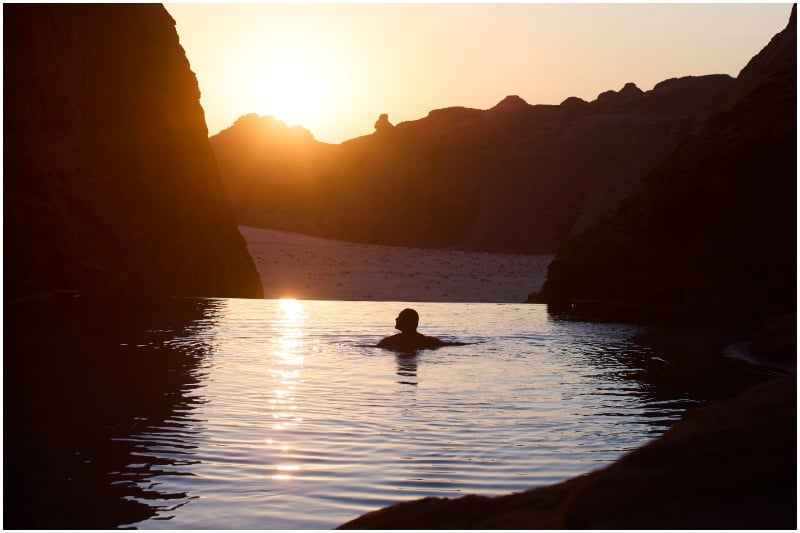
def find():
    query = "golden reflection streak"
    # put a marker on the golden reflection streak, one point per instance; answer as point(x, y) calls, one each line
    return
point(289, 360)
point(283, 469)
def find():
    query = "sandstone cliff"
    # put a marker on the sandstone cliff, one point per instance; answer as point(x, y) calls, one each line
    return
point(714, 227)
point(516, 177)
point(110, 185)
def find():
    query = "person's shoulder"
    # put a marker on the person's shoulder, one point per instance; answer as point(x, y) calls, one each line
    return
point(403, 342)
point(386, 341)
point(416, 341)
point(393, 341)
point(431, 341)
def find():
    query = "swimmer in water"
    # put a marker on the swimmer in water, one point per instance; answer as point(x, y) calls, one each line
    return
point(409, 339)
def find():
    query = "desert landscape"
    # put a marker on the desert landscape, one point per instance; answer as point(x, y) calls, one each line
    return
point(159, 374)
point(311, 268)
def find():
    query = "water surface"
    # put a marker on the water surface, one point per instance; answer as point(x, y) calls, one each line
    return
point(270, 414)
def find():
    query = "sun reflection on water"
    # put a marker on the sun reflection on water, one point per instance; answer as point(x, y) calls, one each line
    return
point(288, 361)
point(301, 423)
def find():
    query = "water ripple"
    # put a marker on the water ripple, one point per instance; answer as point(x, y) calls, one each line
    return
point(299, 422)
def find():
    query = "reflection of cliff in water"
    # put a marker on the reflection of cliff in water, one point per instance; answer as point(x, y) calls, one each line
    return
point(89, 390)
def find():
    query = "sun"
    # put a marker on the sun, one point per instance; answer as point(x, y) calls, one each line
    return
point(293, 88)
point(300, 75)
point(292, 80)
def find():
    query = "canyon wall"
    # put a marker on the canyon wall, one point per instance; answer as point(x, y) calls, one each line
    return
point(110, 185)
point(513, 178)
point(714, 226)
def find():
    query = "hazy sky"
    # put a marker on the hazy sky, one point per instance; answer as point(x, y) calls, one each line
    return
point(333, 68)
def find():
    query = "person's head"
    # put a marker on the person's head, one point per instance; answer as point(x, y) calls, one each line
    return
point(407, 321)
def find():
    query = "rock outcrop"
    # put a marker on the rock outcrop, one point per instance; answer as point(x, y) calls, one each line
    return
point(732, 465)
point(383, 124)
point(110, 185)
point(714, 227)
point(513, 178)
point(270, 172)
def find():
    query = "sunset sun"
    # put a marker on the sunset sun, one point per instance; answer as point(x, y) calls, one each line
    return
point(294, 88)
point(293, 77)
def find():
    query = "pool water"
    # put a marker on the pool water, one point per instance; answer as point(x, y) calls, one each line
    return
point(282, 414)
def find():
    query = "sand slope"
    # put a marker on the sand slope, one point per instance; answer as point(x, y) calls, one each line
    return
point(300, 266)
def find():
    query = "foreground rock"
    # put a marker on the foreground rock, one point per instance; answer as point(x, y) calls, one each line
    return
point(513, 178)
point(110, 185)
point(713, 229)
point(728, 466)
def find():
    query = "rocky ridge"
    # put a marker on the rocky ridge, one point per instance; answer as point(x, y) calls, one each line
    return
point(513, 178)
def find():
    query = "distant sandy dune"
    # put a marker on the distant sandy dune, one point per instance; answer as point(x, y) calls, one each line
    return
point(304, 267)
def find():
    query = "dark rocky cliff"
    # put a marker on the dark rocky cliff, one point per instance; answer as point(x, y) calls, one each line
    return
point(714, 227)
point(516, 177)
point(110, 185)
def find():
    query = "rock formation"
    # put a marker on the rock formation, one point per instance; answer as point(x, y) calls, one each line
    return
point(383, 124)
point(714, 227)
point(516, 177)
point(110, 184)
point(728, 466)
point(270, 172)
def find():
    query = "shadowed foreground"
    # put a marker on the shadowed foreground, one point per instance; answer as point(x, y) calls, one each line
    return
point(728, 466)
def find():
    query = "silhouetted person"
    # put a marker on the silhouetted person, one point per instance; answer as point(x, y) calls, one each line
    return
point(409, 339)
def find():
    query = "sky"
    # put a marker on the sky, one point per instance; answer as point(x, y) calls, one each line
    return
point(334, 68)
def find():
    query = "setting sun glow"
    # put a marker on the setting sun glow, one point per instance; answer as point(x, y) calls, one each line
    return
point(291, 80)
point(334, 68)
point(292, 90)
